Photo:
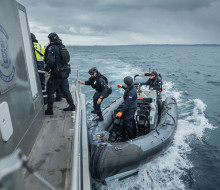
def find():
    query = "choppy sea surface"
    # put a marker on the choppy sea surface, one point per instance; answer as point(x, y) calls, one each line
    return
point(192, 75)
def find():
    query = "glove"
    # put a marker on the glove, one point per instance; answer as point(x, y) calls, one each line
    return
point(119, 85)
point(119, 114)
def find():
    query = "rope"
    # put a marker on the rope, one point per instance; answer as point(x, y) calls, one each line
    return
point(167, 108)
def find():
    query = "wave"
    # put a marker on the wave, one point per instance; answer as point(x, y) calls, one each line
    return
point(214, 83)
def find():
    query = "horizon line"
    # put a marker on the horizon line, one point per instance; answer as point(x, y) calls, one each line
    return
point(152, 45)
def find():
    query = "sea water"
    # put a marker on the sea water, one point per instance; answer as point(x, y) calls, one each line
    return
point(192, 75)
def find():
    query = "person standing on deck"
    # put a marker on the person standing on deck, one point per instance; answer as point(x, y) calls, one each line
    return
point(58, 72)
point(39, 51)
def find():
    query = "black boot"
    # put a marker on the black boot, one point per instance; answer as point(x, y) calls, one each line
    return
point(94, 111)
point(100, 118)
point(70, 108)
point(49, 112)
point(58, 99)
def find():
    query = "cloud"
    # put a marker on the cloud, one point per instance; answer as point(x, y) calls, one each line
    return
point(179, 5)
point(128, 21)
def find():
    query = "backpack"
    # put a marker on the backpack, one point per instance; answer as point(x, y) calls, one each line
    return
point(109, 88)
point(63, 72)
point(106, 80)
point(64, 55)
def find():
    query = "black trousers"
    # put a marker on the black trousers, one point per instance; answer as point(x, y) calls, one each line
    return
point(59, 93)
point(129, 122)
point(52, 85)
point(96, 106)
point(40, 67)
point(42, 80)
point(43, 86)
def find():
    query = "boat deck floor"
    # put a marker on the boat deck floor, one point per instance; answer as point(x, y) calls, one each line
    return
point(52, 152)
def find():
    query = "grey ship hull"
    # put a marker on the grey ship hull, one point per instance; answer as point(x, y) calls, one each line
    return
point(19, 84)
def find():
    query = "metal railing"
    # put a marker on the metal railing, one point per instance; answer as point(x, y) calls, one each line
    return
point(80, 162)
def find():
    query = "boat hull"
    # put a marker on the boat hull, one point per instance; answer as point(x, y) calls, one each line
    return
point(110, 159)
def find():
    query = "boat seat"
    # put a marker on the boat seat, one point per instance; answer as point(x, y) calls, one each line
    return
point(139, 102)
point(144, 101)
point(147, 100)
point(142, 115)
point(145, 106)
point(117, 123)
point(142, 122)
point(142, 119)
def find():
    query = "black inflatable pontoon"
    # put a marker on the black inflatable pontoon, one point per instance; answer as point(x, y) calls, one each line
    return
point(111, 157)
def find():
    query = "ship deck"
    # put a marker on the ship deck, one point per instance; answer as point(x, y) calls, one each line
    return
point(52, 152)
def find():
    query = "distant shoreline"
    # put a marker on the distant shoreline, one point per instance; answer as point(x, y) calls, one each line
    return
point(149, 45)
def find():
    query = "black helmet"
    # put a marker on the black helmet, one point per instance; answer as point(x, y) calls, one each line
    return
point(93, 70)
point(33, 37)
point(128, 80)
point(154, 73)
point(53, 37)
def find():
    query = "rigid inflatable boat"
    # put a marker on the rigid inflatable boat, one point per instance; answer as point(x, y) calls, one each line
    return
point(116, 157)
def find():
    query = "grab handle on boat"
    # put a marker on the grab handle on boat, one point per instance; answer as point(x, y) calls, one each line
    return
point(118, 148)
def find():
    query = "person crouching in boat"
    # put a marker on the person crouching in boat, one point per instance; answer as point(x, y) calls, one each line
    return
point(130, 106)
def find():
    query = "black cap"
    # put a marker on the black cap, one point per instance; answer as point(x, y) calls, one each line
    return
point(93, 70)
point(128, 80)
point(53, 37)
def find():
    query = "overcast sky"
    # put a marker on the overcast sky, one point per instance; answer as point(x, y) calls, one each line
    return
point(122, 22)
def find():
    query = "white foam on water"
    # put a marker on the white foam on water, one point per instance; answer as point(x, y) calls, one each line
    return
point(166, 171)
point(169, 90)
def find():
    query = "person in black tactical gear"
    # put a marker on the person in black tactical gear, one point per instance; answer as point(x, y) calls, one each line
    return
point(53, 68)
point(100, 84)
point(39, 52)
point(155, 83)
point(130, 106)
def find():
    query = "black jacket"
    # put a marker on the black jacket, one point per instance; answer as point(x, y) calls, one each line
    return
point(130, 98)
point(52, 56)
point(155, 83)
point(99, 84)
